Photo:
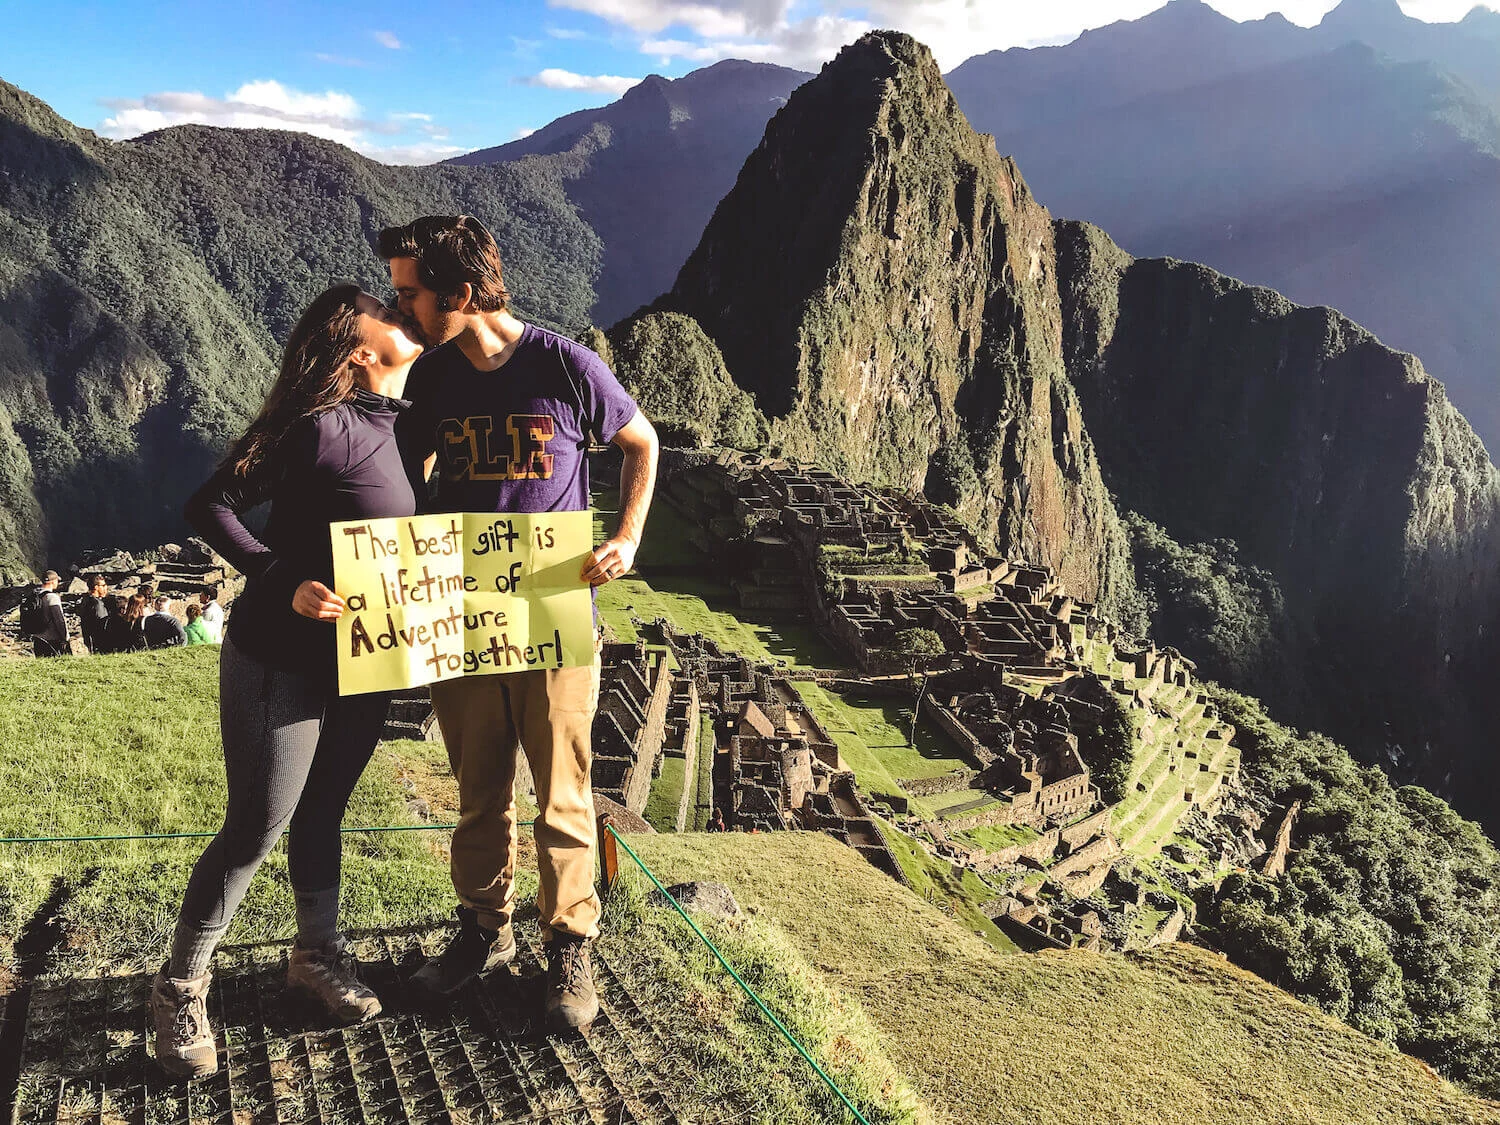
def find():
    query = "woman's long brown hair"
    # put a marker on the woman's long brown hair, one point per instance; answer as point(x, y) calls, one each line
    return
point(315, 376)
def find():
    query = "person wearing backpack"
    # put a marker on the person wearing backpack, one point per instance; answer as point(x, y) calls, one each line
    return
point(42, 618)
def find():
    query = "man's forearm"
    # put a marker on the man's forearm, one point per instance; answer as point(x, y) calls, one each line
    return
point(637, 481)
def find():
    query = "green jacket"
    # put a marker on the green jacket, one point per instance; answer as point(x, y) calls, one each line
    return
point(197, 633)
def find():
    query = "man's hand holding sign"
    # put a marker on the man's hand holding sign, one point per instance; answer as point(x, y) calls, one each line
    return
point(430, 598)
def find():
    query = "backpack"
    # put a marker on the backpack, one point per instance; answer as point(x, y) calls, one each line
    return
point(34, 617)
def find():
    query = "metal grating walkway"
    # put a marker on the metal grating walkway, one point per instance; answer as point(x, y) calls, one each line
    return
point(84, 1057)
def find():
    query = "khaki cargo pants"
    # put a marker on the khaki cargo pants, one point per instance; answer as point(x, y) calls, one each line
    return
point(548, 714)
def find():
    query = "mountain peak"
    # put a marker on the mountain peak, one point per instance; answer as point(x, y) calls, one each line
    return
point(880, 48)
point(1355, 15)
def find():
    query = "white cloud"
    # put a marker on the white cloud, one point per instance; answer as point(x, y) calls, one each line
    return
point(264, 104)
point(555, 79)
point(387, 39)
point(567, 33)
point(713, 19)
point(339, 60)
point(267, 104)
point(410, 154)
point(522, 134)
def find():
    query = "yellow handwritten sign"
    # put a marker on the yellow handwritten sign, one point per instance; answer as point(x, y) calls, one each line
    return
point(434, 597)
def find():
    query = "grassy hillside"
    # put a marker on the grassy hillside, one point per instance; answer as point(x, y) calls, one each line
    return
point(1175, 1036)
point(130, 744)
point(919, 1018)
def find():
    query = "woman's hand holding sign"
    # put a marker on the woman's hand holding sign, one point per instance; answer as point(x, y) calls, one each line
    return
point(611, 559)
point(315, 600)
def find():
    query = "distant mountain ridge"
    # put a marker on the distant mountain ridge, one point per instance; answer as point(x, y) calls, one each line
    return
point(1352, 164)
point(645, 171)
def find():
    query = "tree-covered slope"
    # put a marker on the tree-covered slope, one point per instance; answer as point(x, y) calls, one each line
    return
point(145, 287)
point(1338, 467)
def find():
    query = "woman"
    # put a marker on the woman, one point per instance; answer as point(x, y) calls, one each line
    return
point(322, 449)
point(195, 631)
point(126, 631)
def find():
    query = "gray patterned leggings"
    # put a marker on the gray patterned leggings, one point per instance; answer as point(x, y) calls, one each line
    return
point(293, 752)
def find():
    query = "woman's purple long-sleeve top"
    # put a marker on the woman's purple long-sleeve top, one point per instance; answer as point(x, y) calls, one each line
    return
point(342, 464)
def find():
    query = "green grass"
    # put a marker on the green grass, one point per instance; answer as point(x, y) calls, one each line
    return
point(703, 807)
point(1176, 1036)
point(130, 744)
point(665, 799)
point(993, 837)
point(739, 1059)
point(956, 891)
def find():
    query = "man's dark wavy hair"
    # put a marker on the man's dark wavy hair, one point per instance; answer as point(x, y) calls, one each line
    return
point(451, 251)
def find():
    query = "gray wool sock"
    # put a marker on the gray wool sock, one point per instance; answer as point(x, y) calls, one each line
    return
point(192, 951)
point(317, 917)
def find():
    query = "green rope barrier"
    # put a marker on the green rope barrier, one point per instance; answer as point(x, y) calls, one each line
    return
point(750, 992)
point(206, 835)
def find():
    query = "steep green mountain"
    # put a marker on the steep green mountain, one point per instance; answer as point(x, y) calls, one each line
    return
point(145, 286)
point(904, 311)
point(885, 285)
point(646, 170)
point(1338, 467)
point(1355, 164)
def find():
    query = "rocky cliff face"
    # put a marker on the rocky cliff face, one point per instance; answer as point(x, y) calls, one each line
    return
point(885, 284)
point(1222, 410)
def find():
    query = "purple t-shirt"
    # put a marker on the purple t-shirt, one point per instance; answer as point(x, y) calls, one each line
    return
point(513, 439)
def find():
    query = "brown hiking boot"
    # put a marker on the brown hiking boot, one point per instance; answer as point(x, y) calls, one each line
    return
point(330, 974)
point(183, 1038)
point(471, 953)
point(572, 1002)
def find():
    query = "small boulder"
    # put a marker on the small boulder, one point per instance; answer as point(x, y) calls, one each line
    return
point(170, 552)
point(110, 562)
point(195, 552)
point(77, 586)
point(714, 899)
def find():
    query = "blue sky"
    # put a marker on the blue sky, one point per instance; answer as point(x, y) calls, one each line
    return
point(409, 84)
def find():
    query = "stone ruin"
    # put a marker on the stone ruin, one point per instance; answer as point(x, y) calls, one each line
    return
point(630, 725)
point(775, 766)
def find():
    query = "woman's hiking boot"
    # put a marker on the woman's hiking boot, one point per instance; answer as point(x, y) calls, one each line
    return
point(572, 1002)
point(471, 953)
point(183, 1038)
point(330, 974)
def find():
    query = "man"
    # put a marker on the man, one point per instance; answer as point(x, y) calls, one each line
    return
point(212, 614)
point(161, 628)
point(94, 613)
point(42, 617)
point(505, 409)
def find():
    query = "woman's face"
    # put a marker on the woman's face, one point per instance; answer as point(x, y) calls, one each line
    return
point(383, 331)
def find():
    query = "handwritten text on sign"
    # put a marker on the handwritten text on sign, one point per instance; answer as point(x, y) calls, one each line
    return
point(433, 597)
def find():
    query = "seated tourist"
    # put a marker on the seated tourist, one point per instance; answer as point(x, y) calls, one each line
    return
point(161, 628)
point(195, 631)
point(126, 632)
point(213, 613)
